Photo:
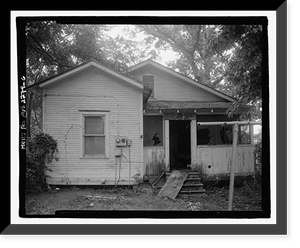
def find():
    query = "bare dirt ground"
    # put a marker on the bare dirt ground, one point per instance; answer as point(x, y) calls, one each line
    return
point(246, 198)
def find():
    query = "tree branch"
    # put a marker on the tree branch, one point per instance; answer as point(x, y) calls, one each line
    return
point(165, 37)
point(198, 37)
point(49, 55)
point(218, 80)
point(162, 35)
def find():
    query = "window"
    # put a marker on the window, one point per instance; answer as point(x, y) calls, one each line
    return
point(153, 131)
point(220, 134)
point(149, 80)
point(94, 134)
point(244, 134)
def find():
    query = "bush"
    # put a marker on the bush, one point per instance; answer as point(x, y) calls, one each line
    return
point(39, 151)
point(258, 148)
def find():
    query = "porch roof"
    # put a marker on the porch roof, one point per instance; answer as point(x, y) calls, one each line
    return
point(185, 105)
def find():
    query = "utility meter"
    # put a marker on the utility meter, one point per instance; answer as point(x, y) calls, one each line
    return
point(121, 141)
point(128, 142)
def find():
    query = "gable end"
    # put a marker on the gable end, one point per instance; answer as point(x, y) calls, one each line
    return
point(183, 78)
point(82, 67)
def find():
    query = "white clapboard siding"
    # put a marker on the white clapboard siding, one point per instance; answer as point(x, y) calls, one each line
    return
point(64, 103)
point(171, 88)
point(154, 160)
point(216, 160)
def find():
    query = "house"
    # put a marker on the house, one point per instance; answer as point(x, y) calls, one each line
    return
point(117, 129)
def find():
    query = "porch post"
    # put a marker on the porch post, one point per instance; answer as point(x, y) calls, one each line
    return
point(167, 145)
point(251, 130)
point(193, 142)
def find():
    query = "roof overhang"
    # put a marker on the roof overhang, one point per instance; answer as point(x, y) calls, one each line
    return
point(194, 106)
point(182, 77)
point(185, 105)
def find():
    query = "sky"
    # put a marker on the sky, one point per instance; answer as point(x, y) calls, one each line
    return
point(164, 56)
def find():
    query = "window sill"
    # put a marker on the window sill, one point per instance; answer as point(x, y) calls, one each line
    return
point(151, 147)
point(94, 157)
point(229, 145)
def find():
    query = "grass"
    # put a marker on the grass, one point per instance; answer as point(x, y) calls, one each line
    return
point(246, 198)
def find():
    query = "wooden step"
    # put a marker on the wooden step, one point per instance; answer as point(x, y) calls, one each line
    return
point(193, 175)
point(191, 188)
point(193, 185)
point(193, 179)
point(184, 192)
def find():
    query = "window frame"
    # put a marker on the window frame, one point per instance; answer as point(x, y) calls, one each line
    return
point(226, 144)
point(163, 131)
point(240, 135)
point(85, 114)
point(154, 83)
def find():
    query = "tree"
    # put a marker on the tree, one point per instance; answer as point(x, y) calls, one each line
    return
point(245, 66)
point(52, 48)
point(225, 57)
point(192, 42)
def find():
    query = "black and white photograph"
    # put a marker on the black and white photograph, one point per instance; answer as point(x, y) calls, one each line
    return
point(144, 117)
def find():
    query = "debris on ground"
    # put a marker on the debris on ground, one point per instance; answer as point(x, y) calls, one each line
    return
point(101, 197)
point(245, 198)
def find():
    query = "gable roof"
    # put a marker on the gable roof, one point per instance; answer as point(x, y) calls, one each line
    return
point(182, 77)
point(56, 78)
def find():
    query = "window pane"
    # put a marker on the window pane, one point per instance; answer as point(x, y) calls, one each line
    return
point(244, 134)
point(214, 135)
point(94, 145)
point(94, 125)
point(205, 135)
point(153, 131)
point(220, 135)
point(225, 135)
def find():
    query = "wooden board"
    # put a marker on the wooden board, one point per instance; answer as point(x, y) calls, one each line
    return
point(219, 158)
point(173, 184)
point(154, 160)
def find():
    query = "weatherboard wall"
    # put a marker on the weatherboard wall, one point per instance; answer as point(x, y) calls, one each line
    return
point(94, 90)
point(215, 161)
point(171, 88)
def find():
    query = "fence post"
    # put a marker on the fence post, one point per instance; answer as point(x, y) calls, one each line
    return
point(232, 168)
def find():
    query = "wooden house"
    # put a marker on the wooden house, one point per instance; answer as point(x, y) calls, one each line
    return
point(114, 129)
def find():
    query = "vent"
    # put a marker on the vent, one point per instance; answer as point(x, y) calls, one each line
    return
point(148, 80)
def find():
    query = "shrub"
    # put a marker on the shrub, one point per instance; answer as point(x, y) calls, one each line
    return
point(258, 150)
point(39, 152)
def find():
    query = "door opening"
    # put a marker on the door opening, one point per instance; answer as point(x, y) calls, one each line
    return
point(180, 144)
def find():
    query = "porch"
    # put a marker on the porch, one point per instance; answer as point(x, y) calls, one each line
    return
point(175, 140)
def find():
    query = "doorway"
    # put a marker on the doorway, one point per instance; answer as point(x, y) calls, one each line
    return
point(180, 144)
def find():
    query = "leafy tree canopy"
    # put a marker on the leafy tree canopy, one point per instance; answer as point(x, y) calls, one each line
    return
point(226, 57)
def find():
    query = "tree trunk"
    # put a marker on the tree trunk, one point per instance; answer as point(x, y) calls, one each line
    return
point(28, 119)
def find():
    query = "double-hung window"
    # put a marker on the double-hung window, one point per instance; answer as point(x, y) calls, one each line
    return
point(95, 134)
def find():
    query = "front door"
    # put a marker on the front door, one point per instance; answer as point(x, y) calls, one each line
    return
point(180, 144)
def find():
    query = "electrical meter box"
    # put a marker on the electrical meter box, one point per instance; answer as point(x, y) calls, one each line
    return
point(121, 141)
point(128, 142)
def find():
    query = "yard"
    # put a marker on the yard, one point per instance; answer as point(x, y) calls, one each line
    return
point(246, 198)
